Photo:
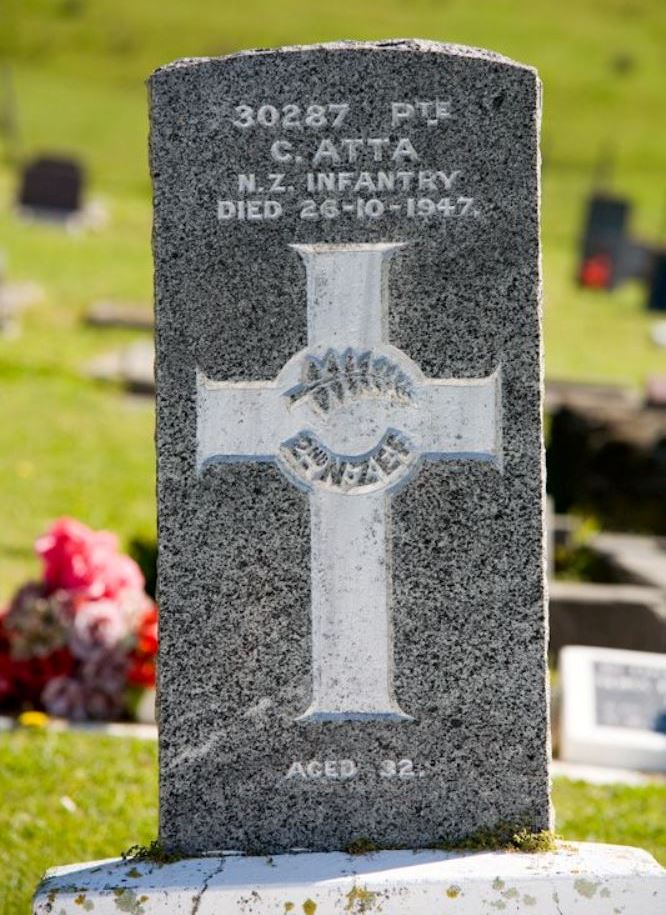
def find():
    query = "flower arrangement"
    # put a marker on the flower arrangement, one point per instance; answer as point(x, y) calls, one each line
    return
point(80, 643)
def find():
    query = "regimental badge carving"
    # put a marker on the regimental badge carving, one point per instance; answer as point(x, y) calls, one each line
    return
point(317, 465)
point(348, 420)
point(339, 377)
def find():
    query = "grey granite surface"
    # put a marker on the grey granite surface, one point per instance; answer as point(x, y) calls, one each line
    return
point(465, 539)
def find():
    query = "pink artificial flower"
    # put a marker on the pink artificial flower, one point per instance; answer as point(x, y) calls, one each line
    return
point(97, 627)
point(122, 575)
point(86, 562)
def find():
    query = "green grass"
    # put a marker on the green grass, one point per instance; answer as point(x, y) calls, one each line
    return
point(113, 784)
point(69, 446)
point(111, 781)
point(616, 814)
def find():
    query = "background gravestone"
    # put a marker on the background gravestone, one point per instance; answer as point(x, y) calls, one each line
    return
point(613, 708)
point(405, 173)
point(52, 186)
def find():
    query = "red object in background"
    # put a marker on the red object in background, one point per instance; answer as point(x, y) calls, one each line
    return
point(141, 672)
point(73, 642)
point(142, 660)
point(596, 272)
point(6, 672)
point(86, 562)
point(32, 674)
point(23, 679)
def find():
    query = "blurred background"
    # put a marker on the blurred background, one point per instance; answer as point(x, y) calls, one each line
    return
point(72, 88)
point(76, 430)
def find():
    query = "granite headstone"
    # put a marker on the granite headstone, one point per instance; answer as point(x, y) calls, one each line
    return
point(351, 570)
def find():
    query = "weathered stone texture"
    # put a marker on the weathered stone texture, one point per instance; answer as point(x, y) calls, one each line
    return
point(465, 536)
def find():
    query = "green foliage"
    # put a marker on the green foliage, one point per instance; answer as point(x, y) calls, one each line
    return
point(617, 814)
point(143, 551)
point(578, 561)
point(70, 446)
point(582, 563)
point(112, 782)
point(527, 841)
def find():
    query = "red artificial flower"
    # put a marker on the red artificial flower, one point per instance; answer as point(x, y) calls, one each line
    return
point(4, 634)
point(30, 675)
point(6, 677)
point(6, 669)
point(147, 631)
point(141, 671)
point(86, 562)
point(142, 660)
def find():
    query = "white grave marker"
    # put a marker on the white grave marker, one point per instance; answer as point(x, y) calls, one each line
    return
point(613, 707)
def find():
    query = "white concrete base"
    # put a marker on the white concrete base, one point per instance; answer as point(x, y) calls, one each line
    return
point(577, 879)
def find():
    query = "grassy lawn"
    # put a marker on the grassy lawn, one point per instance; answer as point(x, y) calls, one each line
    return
point(70, 446)
point(112, 782)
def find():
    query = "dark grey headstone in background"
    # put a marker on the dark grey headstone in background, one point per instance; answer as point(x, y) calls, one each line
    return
point(464, 744)
point(52, 185)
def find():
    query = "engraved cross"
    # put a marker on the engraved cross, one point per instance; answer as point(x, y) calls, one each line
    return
point(349, 420)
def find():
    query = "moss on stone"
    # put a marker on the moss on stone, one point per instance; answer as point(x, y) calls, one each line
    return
point(155, 853)
point(361, 846)
point(504, 837)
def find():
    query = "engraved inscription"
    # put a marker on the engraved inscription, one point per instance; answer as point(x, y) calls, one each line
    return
point(338, 378)
point(337, 769)
point(290, 116)
point(315, 171)
point(400, 770)
point(316, 464)
point(432, 112)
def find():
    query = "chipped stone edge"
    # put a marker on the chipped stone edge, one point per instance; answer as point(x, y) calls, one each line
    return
point(404, 45)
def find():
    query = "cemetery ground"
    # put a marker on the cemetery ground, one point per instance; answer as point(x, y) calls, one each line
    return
point(98, 795)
